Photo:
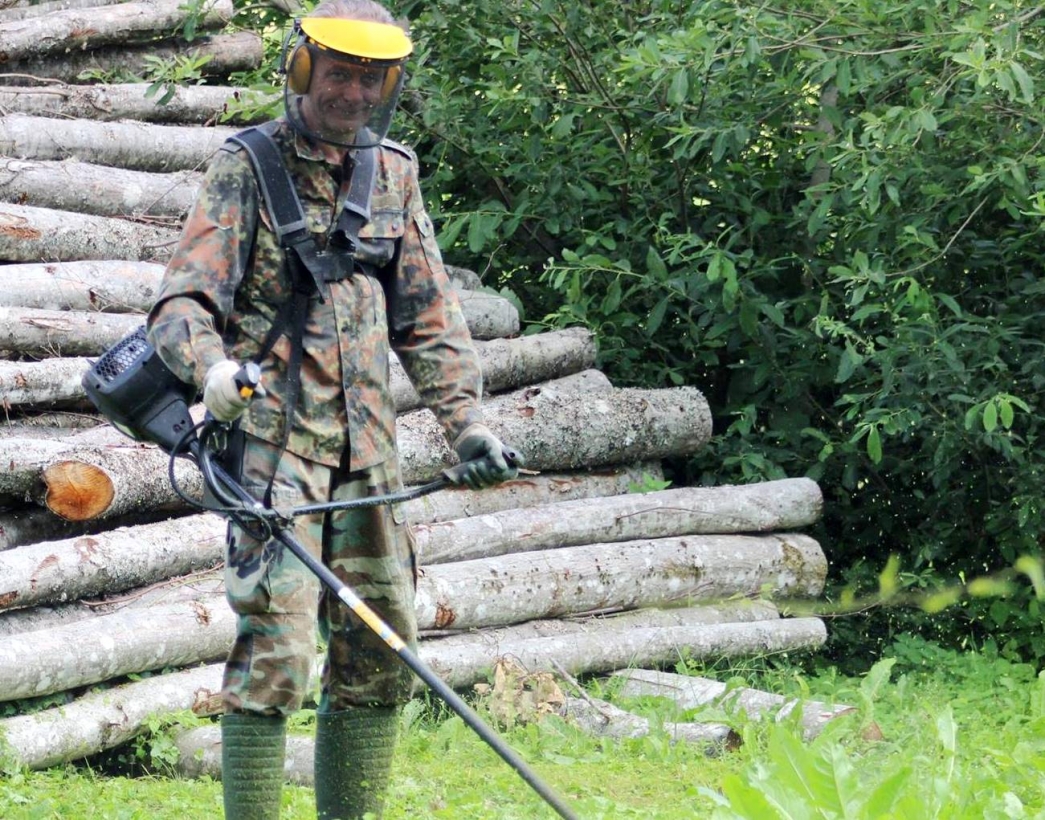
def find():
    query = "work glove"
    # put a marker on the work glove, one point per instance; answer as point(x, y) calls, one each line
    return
point(226, 393)
point(485, 461)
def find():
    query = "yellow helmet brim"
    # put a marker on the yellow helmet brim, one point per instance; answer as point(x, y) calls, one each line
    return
point(358, 38)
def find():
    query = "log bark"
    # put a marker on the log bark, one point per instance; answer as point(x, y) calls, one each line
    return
point(462, 660)
point(80, 187)
point(41, 383)
point(131, 145)
point(204, 587)
point(490, 316)
point(87, 566)
point(601, 718)
point(625, 427)
point(86, 652)
point(33, 524)
point(763, 507)
point(611, 577)
point(200, 755)
point(126, 286)
point(511, 363)
point(197, 104)
point(30, 234)
point(105, 719)
point(63, 333)
point(560, 430)
point(16, 10)
point(109, 286)
point(530, 491)
point(225, 53)
point(56, 333)
point(115, 479)
point(73, 29)
point(696, 692)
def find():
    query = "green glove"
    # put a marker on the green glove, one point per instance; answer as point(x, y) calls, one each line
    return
point(485, 461)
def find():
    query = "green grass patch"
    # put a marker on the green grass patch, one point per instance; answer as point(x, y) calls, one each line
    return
point(962, 735)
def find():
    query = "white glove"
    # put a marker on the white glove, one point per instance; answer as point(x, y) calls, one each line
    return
point(221, 395)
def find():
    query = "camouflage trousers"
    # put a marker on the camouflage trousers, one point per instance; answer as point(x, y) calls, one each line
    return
point(282, 608)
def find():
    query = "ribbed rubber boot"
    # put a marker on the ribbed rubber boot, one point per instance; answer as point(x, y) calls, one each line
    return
point(353, 762)
point(252, 752)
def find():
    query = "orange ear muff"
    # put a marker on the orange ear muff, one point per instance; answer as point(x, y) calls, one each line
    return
point(299, 69)
point(392, 76)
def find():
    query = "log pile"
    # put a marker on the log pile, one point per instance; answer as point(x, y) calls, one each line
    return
point(111, 599)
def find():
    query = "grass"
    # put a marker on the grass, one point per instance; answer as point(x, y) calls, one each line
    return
point(962, 735)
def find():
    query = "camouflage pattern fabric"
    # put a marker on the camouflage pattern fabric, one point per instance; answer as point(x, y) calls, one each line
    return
point(220, 294)
point(228, 277)
point(276, 598)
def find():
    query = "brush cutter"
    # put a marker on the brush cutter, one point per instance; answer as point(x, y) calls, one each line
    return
point(134, 389)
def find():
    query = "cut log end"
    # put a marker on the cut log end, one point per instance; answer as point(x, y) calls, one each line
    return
point(77, 491)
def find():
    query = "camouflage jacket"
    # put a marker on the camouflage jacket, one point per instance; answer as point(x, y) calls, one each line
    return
point(228, 277)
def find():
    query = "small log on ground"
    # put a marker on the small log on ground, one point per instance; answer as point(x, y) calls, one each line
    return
point(132, 145)
point(72, 29)
point(600, 718)
point(225, 53)
point(199, 104)
point(695, 692)
point(199, 755)
point(609, 577)
point(86, 566)
point(80, 187)
point(463, 660)
point(29, 234)
point(566, 431)
point(762, 507)
point(99, 649)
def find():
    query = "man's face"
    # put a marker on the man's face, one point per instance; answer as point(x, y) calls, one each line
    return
point(342, 95)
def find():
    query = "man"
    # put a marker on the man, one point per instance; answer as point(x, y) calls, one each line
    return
point(323, 428)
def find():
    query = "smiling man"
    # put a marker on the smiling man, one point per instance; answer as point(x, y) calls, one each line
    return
point(310, 253)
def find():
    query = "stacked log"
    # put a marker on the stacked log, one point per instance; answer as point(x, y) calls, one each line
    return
point(111, 594)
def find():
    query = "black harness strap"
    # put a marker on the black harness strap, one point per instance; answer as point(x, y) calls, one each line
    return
point(310, 268)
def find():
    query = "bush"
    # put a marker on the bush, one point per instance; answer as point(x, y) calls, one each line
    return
point(828, 217)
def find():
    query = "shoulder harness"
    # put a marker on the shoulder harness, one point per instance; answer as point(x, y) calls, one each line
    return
point(310, 268)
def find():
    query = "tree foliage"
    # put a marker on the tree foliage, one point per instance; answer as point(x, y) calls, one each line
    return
point(826, 215)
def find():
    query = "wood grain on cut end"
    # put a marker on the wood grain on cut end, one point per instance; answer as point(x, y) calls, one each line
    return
point(77, 491)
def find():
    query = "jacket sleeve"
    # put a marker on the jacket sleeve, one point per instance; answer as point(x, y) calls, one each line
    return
point(427, 326)
point(199, 284)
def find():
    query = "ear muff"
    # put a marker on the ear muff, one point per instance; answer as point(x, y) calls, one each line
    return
point(299, 68)
point(392, 77)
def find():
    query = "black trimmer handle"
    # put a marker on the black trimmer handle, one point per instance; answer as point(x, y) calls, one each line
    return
point(455, 474)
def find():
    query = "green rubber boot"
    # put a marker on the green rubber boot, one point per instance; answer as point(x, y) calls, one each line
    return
point(353, 762)
point(252, 752)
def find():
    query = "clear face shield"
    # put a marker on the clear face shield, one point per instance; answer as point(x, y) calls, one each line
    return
point(343, 80)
